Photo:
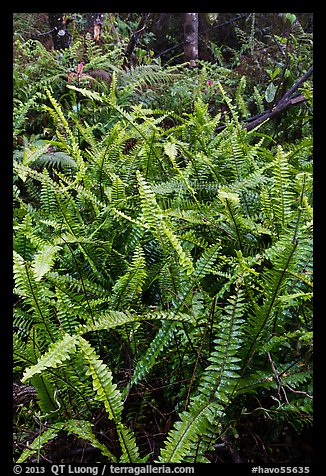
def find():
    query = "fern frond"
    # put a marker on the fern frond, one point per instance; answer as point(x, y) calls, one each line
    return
point(149, 358)
point(220, 376)
point(66, 132)
point(152, 216)
point(83, 429)
point(241, 103)
point(206, 261)
point(46, 393)
point(111, 319)
point(117, 195)
point(21, 110)
point(34, 295)
point(130, 451)
point(128, 288)
point(184, 257)
point(44, 260)
point(186, 431)
point(40, 441)
point(59, 159)
point(48, 199)
point(68, 307)
point(150, 208)
point(55, 356)
point(283, 257)
point(107, 393)
point(282, 196)
point(171, 149)
point(216, 386)
point(105, 390)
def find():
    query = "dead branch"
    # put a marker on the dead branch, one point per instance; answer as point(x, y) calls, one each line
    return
point(134, 40)
point(286, 101)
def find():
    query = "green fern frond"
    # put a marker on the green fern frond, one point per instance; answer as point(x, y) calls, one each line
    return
point(68, 307)
point(282, 198)
point(149, 358)
point(108, 394)
point(113, 89)
point(111, 319)
point(239, 97)
point(150, 208)
point(191, 425)
point(21, 110)
point(206, 261)
point(117, 195)
point(59, 159)
point(141, 76)
point(224, 366)
point(44, 260)
point(46, 393)
point(128, 288)
point(65, 133)
point(232, 107)
point(105, 390)
point(130, 451)
point(55, 356)
point(217, 384)
point(40, 441)
point(34, 295)
point(283, 257)
point(48, 199)
point(183, 256)
point(83, 429)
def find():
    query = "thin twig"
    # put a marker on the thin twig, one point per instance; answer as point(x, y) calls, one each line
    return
point(279, 382)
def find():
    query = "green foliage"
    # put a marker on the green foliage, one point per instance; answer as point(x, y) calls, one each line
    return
point(158, 256)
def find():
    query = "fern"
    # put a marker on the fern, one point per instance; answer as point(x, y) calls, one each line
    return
point(187, 430)
point(152, 217)
point(83, 429)
point(239, 97)
point(129, 287)
point(216, 386)
point(80, 428)
point(56, 355)
point(157, 255)
point(282, 202)
point(40, 441)
point(44, 260)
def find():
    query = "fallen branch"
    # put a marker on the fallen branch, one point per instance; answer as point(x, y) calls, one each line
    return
point(134, 40)
point(286, 100)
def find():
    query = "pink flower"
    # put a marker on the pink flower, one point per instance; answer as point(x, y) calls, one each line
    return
point(210, 82)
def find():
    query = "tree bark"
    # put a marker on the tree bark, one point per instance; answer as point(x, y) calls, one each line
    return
point(190, 28)
point(60, 35)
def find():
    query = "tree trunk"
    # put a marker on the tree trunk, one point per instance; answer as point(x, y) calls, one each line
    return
point(61, 36)
point(190, 28)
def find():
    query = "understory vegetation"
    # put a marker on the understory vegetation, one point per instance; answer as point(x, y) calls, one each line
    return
point(163, 251)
